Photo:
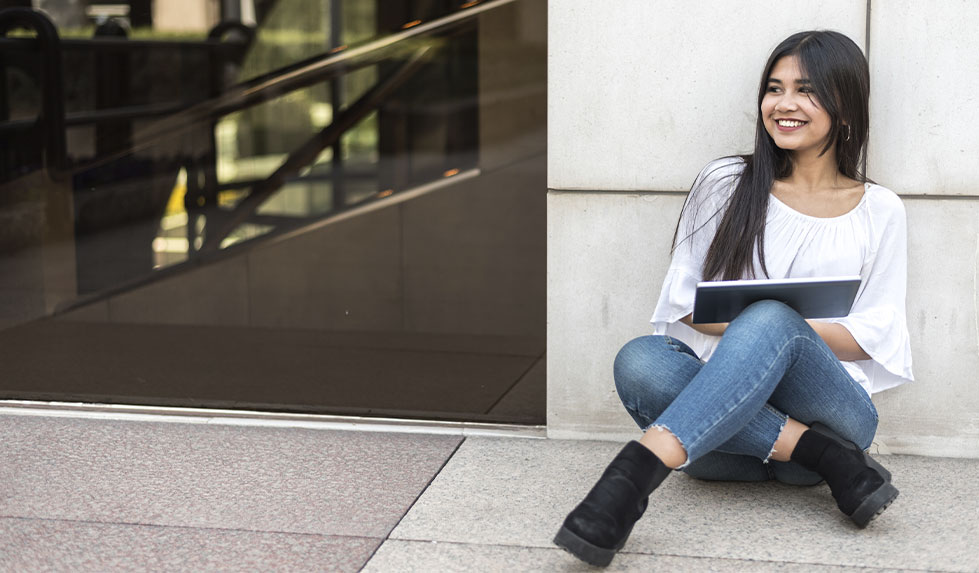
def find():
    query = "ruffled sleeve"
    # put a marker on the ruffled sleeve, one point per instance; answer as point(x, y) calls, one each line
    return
point(701, 215)
point(878, 320)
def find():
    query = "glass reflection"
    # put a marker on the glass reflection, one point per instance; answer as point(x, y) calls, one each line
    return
point(295, 205)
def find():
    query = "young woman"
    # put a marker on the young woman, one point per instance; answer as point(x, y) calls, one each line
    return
point(769, 395)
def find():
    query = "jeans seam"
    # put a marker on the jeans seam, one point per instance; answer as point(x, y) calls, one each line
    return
point(781, 427)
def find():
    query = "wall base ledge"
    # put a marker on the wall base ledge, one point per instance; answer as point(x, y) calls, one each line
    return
point(885, 444)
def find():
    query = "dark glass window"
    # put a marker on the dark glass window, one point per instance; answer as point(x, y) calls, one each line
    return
point(293, 205)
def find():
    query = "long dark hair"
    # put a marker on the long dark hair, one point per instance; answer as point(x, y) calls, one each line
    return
point(840, 78)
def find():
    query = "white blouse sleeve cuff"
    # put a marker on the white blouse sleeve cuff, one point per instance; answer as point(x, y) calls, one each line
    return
point(676, 297)
point(883, 334)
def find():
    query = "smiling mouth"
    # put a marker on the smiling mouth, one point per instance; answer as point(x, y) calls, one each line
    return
point(790, 122)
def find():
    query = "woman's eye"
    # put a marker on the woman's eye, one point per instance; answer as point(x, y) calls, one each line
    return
point(772, 89)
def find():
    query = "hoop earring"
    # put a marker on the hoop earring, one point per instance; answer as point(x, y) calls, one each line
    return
point(847, 138)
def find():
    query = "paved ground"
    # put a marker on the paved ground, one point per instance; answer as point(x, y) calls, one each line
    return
point(113, 495)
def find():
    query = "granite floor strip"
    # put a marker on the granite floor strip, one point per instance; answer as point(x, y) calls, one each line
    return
point(287, 480)
point(58, 545)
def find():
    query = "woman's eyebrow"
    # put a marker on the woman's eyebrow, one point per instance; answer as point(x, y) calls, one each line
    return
point(798, 81)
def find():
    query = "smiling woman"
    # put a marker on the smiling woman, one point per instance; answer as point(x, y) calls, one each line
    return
point(796, 121)
point(769, 395)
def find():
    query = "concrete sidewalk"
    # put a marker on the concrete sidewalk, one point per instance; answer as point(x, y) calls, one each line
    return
point(115, 495)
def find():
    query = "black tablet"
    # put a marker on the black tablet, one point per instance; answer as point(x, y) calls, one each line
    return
point(817, 297)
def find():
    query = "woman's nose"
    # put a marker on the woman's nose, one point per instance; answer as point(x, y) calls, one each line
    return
point(786, 103)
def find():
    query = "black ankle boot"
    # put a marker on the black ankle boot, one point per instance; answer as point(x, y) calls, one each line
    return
point(861, 486)
point(600, 525)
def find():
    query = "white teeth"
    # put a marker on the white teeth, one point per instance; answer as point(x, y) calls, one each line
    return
point(789, 122)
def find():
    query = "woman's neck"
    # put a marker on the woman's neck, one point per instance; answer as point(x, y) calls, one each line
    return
point(812, 171)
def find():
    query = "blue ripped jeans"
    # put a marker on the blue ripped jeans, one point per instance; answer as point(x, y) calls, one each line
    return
point(729, 411)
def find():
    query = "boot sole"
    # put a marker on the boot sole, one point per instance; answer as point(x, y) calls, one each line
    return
point(874, 505)
point(587, 552)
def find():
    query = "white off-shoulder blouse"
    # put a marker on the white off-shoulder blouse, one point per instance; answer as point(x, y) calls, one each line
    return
point(870, 240)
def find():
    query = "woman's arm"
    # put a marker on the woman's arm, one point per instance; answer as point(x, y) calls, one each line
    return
point(836, 336)
point(839, 340)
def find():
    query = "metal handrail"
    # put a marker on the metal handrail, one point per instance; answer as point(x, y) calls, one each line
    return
point(90, 117)
point(108, 43)
point(52, 101)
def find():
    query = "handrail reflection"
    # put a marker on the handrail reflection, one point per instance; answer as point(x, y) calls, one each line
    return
point(52, 107)
point(310, 150)
point(304, 74)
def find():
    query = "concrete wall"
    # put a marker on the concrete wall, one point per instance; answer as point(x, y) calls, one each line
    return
point(643, 94)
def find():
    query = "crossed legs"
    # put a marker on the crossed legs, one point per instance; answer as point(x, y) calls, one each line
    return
point(769, 378)
point(741, 416)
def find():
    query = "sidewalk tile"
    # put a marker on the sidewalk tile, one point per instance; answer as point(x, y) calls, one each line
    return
point(410, 556)
point(517, 492)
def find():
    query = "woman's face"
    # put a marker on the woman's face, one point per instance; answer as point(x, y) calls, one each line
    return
point(790, 111)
